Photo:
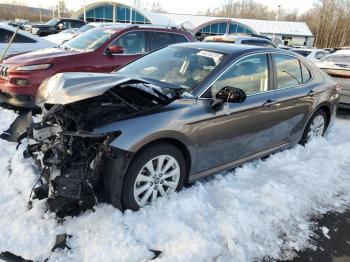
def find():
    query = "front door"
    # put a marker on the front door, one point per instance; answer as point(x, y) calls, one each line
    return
point(134, 45)
point(239, 129)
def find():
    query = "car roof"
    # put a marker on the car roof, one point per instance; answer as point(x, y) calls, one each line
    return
point(123, 26)
point(227, 47)
point(96, 24)
point(73, 19)
point(307, 49)
point(237, 37)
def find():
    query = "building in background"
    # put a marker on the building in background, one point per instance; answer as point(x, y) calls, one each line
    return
point(282, 32)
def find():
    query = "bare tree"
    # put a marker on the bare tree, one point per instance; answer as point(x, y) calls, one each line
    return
point(156, 7)
point(329, 20)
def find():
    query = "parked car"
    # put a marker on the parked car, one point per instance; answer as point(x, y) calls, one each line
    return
point(19, 23)
point(285, 47)
point(171, 117)
point(68, 34)
point(312, 54)
point(23, 41)
point(62, 36)
point(54, 26)
point(98, 50)
point(337, 65)
point(241, 40)
point(299, 47)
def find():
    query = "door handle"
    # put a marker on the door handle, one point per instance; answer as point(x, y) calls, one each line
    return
point(270, 102)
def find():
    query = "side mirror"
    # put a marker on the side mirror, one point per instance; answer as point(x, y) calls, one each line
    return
point(229, 94)
point(115, 49)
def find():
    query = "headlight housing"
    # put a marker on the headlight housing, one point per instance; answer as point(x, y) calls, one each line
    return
point(33, 67)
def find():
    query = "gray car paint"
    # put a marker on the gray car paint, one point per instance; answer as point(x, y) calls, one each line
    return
point(219, 139)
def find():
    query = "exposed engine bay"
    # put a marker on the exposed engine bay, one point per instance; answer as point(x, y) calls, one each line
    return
point(70, 156)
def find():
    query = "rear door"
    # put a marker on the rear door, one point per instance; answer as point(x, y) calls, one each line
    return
point(295, 96)
point(239, 129)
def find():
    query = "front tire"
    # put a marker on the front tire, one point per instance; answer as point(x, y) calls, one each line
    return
point(156, 171)
point(316, 127)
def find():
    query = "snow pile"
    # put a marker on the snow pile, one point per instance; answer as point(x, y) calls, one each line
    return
point(7, 117)
point(260, 210)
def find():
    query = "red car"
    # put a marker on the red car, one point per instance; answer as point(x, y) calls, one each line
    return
point(102, 49)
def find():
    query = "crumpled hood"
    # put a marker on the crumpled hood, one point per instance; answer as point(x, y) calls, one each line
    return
point(44, 55)
point(66, 88)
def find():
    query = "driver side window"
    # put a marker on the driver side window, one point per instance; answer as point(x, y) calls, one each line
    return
point(132, 43)
point(251, 74)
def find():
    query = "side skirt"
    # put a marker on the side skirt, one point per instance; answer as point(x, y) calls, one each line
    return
point(238, 162)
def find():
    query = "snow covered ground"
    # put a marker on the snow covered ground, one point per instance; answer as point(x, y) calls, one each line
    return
point(262, 209)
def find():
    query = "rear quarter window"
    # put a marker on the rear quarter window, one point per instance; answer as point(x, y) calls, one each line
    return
point(288, 71)
point(306, 74)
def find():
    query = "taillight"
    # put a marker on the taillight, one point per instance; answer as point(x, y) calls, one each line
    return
point(338, 87)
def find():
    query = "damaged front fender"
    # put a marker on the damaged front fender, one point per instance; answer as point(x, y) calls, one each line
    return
point(74, 157)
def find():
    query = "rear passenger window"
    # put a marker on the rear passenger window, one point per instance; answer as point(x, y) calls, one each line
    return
point(305, 73)
point(160, 39)
point(288, 71)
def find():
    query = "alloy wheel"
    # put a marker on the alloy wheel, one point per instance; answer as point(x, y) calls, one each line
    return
point(158, 177)
point(316, 128)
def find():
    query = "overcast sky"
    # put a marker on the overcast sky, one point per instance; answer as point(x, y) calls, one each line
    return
point(176, 6)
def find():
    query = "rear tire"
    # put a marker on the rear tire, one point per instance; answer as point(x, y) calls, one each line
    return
point(316, 126)
point(156, 171)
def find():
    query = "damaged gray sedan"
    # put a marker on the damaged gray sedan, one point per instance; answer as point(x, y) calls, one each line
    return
point(176, 115)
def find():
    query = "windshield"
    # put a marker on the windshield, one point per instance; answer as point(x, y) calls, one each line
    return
point(85, 28)
point(182, 66)
point(90, 40)
point(52, 22)
point(338, 59)
point(302, 52)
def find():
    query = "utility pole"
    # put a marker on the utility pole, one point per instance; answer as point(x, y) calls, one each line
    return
point(84, 11)
point(59, 9)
